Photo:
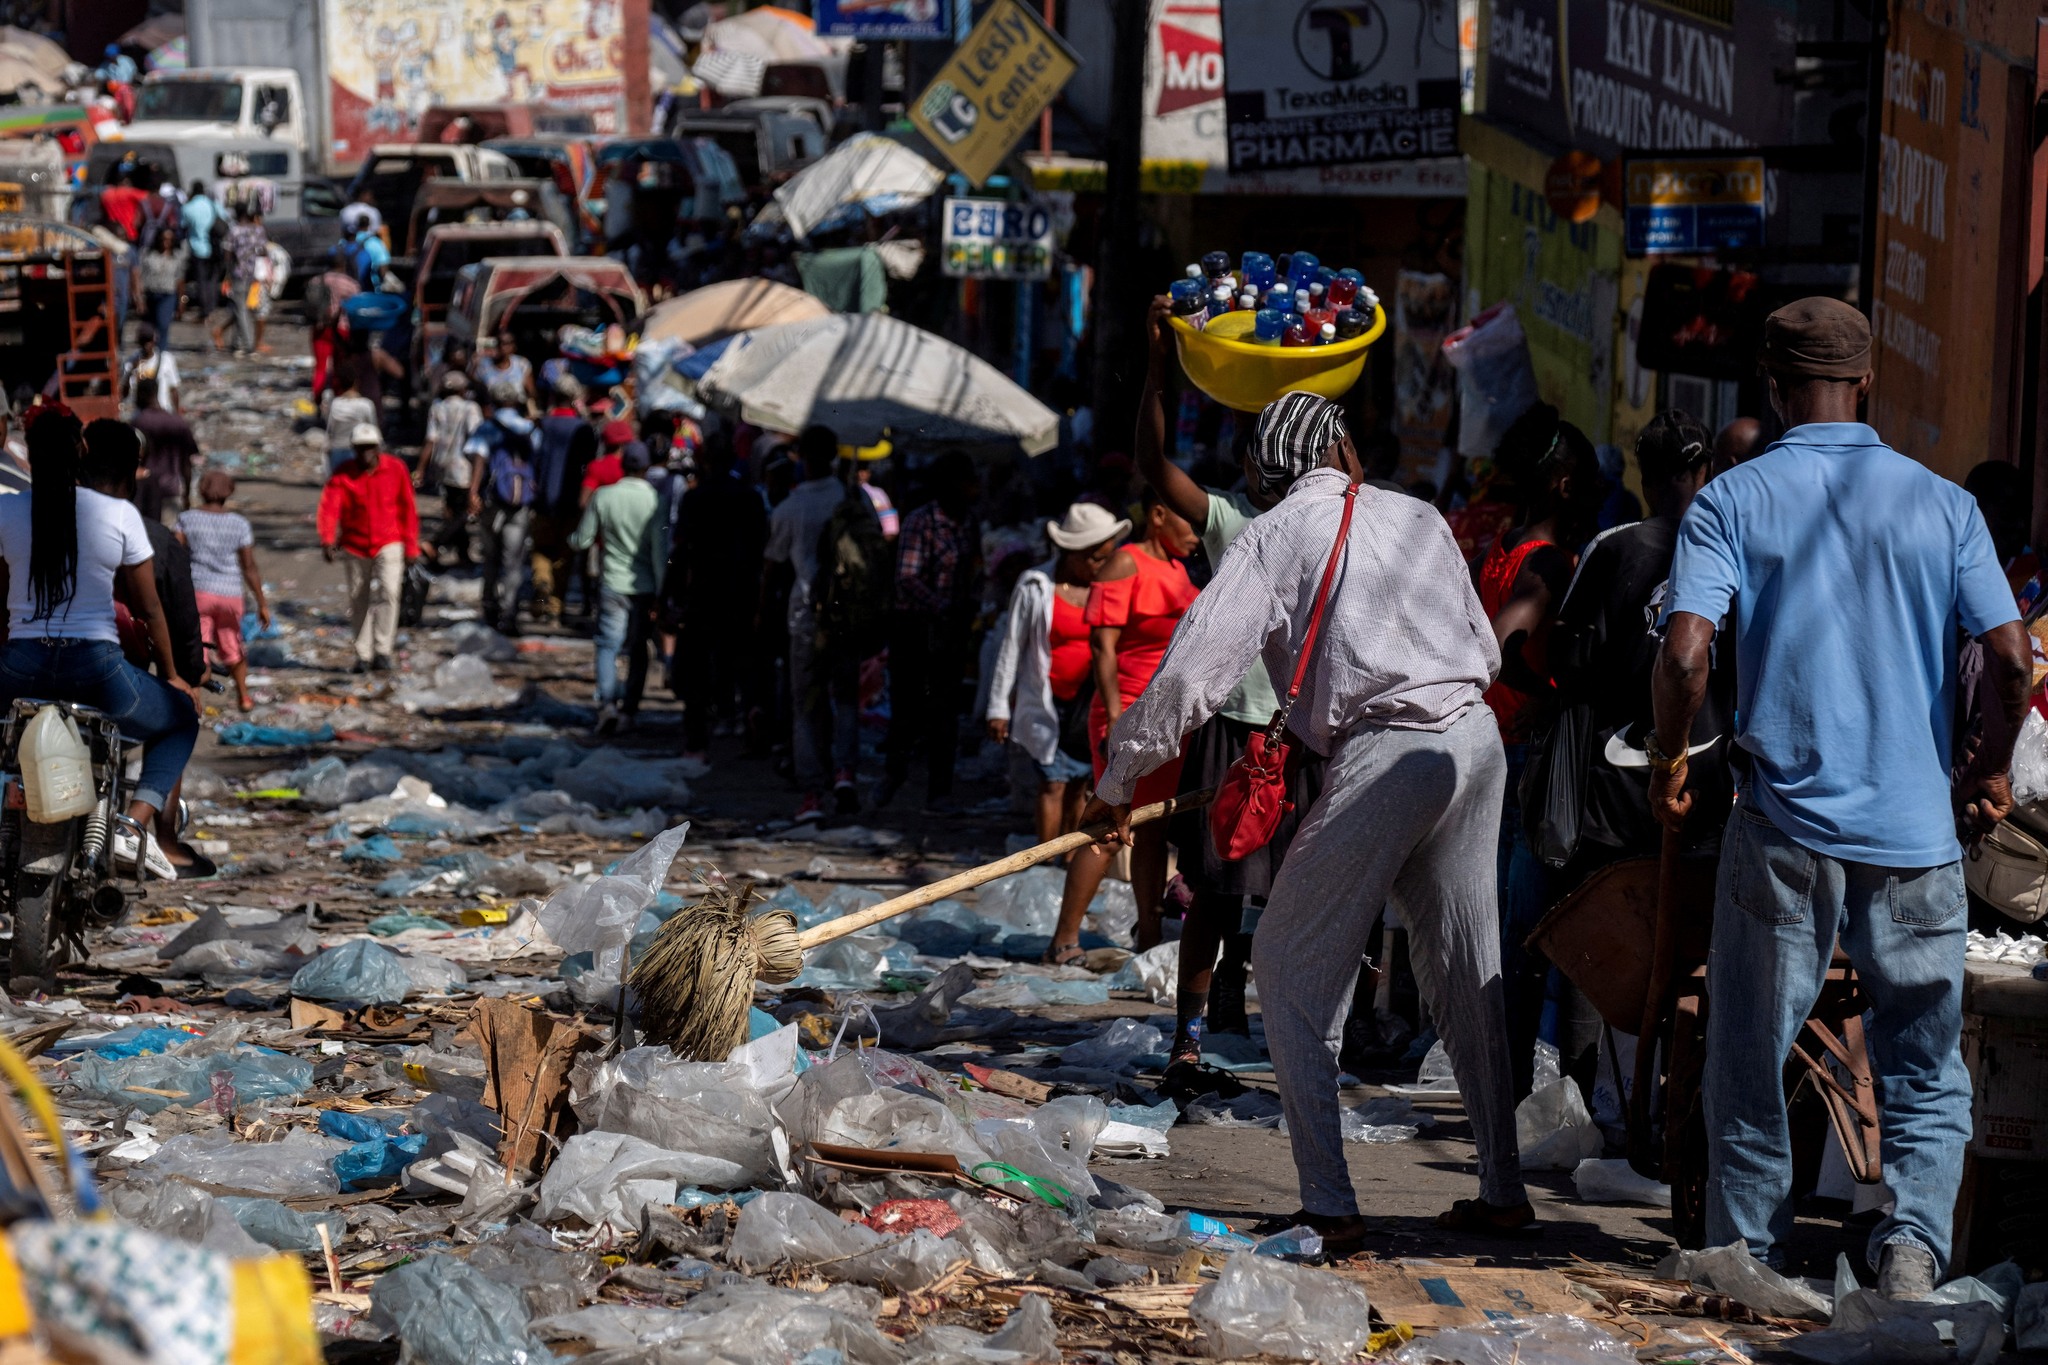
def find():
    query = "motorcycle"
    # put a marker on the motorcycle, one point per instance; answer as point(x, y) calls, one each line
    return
point(58, 881)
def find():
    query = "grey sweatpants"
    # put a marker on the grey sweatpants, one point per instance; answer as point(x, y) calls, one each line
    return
point(1411, 817)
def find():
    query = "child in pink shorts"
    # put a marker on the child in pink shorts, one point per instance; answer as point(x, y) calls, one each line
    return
point(223, 562)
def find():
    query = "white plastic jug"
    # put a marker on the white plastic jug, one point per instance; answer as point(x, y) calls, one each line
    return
point(56, 768)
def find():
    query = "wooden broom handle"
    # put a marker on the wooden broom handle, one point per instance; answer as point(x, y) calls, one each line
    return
point(1002, 867)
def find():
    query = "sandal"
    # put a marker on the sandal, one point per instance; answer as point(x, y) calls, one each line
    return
point(1062, 955)
point(1478, 1216)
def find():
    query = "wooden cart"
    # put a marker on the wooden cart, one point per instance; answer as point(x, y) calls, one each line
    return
point(57, 314)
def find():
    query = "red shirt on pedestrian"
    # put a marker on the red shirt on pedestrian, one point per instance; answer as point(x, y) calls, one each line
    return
point(363, 512)
point(122, 205)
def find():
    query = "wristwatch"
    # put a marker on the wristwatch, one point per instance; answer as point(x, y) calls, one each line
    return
point(1659, 760)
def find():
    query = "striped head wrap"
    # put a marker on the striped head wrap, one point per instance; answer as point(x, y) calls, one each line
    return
point(1294, 433)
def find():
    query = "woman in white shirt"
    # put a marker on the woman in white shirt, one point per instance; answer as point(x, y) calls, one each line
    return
point(62, 549)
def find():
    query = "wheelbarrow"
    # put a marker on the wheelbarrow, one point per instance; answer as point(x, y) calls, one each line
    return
point(1634, 939)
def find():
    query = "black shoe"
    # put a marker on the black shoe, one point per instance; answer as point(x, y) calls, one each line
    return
point(384, 663)
point(359, 666)
point(845, 800)
point(885, 792)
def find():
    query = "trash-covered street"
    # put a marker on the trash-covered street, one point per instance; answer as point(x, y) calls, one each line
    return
point(387, 1040)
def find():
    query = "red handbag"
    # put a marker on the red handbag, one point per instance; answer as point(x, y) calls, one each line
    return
point(1253, 794)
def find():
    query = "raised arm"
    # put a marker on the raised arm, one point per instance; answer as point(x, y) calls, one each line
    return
point(1176, 489)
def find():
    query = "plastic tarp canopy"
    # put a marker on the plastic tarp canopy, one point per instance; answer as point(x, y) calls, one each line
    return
point(875, 373)
point(730, 306)
point(866, 174)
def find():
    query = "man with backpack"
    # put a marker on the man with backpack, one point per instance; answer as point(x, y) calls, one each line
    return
point(832, 544)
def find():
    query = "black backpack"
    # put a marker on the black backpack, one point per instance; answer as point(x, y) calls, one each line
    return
point(856, 583)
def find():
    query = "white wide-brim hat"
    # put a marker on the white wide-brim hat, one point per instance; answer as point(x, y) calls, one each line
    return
point(1086, 525)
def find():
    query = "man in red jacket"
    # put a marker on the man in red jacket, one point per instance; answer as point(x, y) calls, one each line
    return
point(367, 513)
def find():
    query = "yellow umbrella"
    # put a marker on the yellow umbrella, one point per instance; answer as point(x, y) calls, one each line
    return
point(720, 310)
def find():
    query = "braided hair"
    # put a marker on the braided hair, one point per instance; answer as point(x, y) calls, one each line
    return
point(54, 442)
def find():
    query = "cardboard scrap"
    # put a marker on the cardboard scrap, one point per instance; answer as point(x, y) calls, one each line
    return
point(1458, 1293)
point(527, 1056)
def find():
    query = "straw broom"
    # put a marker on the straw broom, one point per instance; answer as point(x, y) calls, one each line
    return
point(696, 982)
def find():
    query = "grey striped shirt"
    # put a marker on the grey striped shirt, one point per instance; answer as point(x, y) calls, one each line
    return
point(1404, 642)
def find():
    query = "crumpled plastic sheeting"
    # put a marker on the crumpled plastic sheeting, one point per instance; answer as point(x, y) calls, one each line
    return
point(779, 1226)
point(132, 1081)
point(1731, 1270)
point(738, 1320)
point(722, 1110)
point(1028, 1338)
point(450, 1314)
point(610, 1177)
point(1554, 1128)
point(589, 916)
point(1869, 1329)
point(1054, 1143)
point(463, 683)
point(1260, 1306)
point(1117, 1047)
point(357, 970)
point(1544, 1339)
point(298, 1163)
point(2030, 1318)
point(185, 1212)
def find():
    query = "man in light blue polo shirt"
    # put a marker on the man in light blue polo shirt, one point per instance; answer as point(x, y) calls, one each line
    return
point(1850, 572)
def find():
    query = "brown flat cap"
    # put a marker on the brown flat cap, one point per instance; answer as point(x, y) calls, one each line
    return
point(1817, 338)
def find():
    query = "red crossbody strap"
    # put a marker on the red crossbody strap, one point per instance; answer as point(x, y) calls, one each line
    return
point(1315, 615)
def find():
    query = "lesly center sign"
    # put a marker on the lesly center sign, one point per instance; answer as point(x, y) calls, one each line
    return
point(991, 92)
point(1681, 206)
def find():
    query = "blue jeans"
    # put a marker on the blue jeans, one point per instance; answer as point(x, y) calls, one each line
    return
point(93, 673)
point(1778, 910)
point(163, 310)
point(623, 626)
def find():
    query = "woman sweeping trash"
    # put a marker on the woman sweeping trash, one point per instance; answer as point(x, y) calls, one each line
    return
point(1410, 806)
point(1041, 684)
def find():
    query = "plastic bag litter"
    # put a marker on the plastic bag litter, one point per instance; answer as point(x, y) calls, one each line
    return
point(298, 1163)
point(737, 1319)
point(447, 1313)
point(587, 916)
point(609, 1177)
point(1262, 1306)
point(474, 637)
point(1054, 1143)
point(1382, 1119)
point(245, 733)
point(358, 970)
point(463, 683)
point(398, 921)
point(1026, 902)
point(1154, 971)
point(552, 1279)
point(1731, 1270)
point(780, 1226)
point(1252, 1109)
point(1139, 1229)
point(379, 1150)
point(1604, 1181)
point(1027, 1338)
point(1542, 1339)
point(190, 1214)
point(1554, 1128)
point(1116, 1047)
point(431, 975)
point(900, 1120)
point(282, 1228)
point(611, 779)
point(378, 848)
point(2030, 1318)
point(1869, 1329)
point(247, 1073)
point(2030, 761)
point(720, 1110)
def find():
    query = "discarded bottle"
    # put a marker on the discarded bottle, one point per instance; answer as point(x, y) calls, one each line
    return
point(1257, 269)
point(1304, 1242)
point(1189, 303)
point(1268, 326)
point(56, 768)
point(1214, 1233)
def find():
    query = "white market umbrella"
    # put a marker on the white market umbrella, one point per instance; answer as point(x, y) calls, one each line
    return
point(866, 374)
point(769, 33)
point(719, 310)
point(866, 174)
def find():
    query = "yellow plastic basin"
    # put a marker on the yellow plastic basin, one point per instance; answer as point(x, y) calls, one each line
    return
point(1245, 375)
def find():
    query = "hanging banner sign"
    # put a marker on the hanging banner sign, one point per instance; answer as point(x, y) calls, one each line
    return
point(990, 94)
point(988, 239)
point(1685, 206)
point(883, 20)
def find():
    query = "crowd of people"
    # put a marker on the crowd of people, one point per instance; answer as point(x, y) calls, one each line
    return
point(1727, 672)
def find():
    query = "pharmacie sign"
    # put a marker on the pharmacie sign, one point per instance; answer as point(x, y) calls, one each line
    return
point(1338, 82)
point(1691, 205)
point(988, 239)
point(992, 90)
